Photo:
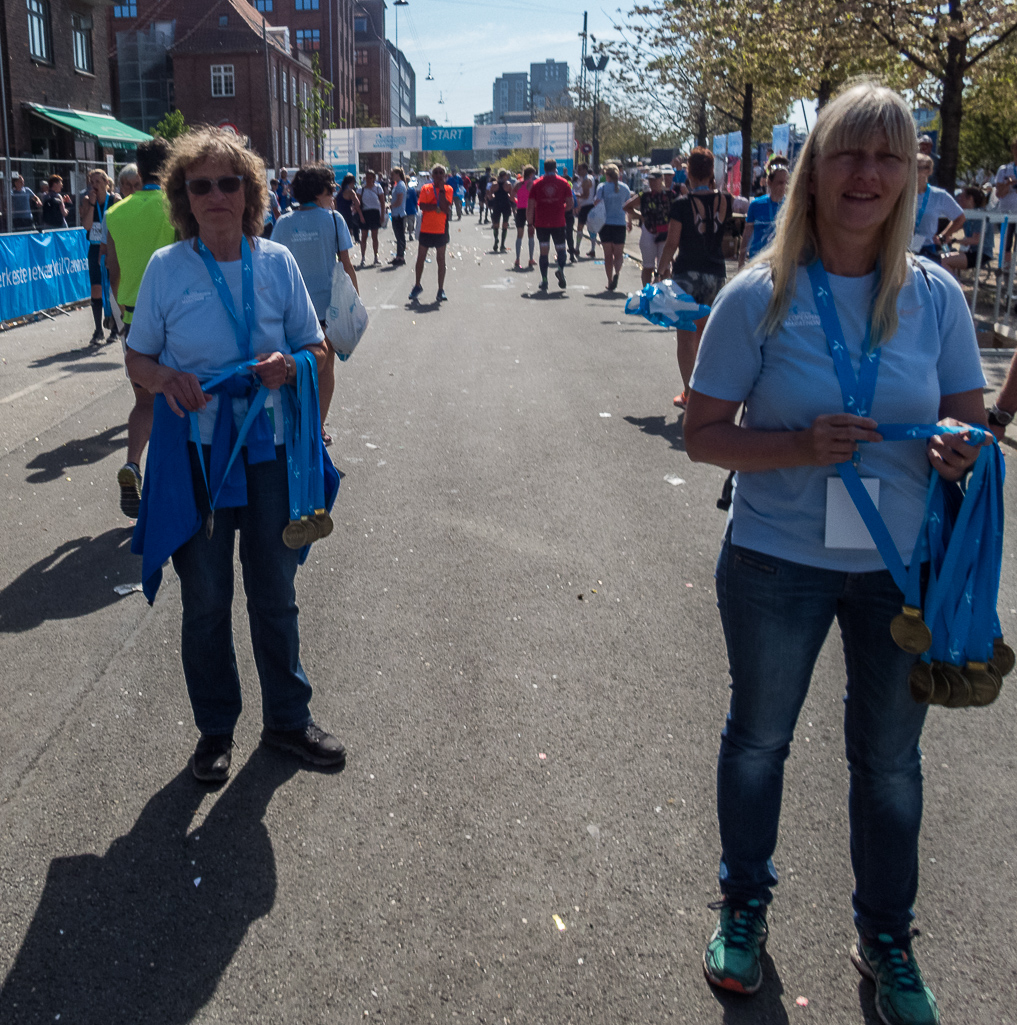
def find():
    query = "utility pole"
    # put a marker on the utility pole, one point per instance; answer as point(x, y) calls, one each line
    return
point(596, 65)
point(582, 73)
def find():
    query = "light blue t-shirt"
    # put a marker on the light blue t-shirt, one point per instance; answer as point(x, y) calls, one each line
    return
point(614, 199)
point(398, 199)
point(787, 380)
point(180, 320)
point(761, 214)
point(313, 235)
point(939, 204)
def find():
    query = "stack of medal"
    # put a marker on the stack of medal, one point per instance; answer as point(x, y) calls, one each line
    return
point(964, 658)
point(309, 520)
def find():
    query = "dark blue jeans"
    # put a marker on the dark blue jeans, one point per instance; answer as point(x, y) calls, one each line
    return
point(205, 569)
point(776, 615)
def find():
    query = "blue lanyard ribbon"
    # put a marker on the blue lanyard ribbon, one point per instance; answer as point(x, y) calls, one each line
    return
point(244, 327)
point(304, 451)
point(925, 203)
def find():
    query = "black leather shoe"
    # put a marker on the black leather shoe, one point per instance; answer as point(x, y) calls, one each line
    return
point(311, 743)
point(212, 758)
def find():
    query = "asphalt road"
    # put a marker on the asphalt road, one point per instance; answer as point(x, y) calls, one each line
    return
point(513, 631)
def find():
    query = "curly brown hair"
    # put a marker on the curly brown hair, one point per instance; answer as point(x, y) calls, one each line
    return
point(202, 144)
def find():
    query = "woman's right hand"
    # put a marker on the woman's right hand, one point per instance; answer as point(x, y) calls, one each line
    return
point(182, 392)
point(834, 438)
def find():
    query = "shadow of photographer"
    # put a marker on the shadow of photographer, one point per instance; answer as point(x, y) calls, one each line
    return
point(74, 580)
point(144, 933)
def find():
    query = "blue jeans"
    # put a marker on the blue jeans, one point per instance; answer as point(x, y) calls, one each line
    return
point(205, 569)
point(776, 615)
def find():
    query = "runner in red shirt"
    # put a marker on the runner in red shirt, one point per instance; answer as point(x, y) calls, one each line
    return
point(550, 197)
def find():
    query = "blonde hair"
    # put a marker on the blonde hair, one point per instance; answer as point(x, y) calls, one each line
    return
point(211, 143)
point(862, 109)
point(106, 177)
point(611, 171)
point(923, 160)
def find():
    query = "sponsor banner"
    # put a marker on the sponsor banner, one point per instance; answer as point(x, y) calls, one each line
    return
point(41, 270)
point(389, 140)
point(433, 138)
point(557, 141)
point(781, 140)
point(341, 152)
point(526, 136)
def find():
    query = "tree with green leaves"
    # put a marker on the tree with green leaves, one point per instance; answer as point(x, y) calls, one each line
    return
point(945, 42)
point(316, 115)
point(170, 127)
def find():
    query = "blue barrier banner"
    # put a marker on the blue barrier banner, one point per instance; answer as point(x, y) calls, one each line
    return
point(41, 270)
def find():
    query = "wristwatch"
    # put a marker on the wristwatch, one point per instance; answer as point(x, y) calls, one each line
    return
point(998, 418)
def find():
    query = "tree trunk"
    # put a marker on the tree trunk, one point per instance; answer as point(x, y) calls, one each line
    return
point(951, 106)
point(824, 92)
point(747, 114)
point(701, 122)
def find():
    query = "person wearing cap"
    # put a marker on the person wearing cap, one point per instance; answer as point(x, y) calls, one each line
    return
point(925, 148)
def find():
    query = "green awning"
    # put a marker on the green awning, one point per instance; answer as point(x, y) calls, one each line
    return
point(107, 129)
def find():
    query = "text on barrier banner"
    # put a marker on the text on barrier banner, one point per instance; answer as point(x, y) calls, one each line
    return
point(42, 270)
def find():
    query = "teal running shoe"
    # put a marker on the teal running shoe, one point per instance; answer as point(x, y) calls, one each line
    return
point(731, 960)
point(902, 998)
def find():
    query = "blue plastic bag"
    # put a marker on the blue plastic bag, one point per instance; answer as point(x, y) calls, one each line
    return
point(662, 304)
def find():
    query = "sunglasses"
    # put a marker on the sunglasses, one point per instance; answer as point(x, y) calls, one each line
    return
point(228, 184)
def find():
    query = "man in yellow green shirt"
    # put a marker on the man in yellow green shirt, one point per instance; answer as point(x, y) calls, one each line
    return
point(141, 225)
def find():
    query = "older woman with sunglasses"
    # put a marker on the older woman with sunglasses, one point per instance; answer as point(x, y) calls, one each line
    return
point(219, 298)
point(834, 297)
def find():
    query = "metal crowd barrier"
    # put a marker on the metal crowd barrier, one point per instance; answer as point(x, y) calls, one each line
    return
point(1003, 320)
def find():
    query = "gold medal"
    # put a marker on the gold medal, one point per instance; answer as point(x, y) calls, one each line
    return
point(1002, 657)
point(940, 685)
point(960, 688)
point(920, 682)
point(298, 533)
point(985, 681)
point(323, 523)
point(910, 632)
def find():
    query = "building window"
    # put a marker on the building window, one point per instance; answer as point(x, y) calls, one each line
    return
point(296, 148)
point(308, 39)
point(285, 100)
point(275, 83)
point(362, 58)
point(40, 44)
point(307, 5)
point(363, 85)
point(265, 6)
point(222, 80)
point(286, 148)
point(275, 140)
point(360, 26)
point(128, 10)
point(293, 91)
point(81, 35)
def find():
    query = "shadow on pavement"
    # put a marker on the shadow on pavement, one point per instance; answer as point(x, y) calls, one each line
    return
point(86, 352)
point(52, 465)
point(764, 1008)
point(415, 306)
point(616, 294)
point(541, 296)
point(76, 579)
point(660, 428)
point(134, 936)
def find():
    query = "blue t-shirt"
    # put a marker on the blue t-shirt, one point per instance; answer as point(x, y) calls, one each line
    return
point(762, 213)
point(411, 201)
point(180, 320)
point(313, 235)
point(787, 380)
point(614, 199)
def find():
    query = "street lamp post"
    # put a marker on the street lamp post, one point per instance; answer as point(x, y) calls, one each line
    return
point(596, 65)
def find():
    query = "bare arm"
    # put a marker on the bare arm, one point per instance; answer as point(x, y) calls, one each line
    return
point(951, 229)
point(344, 258)
point(182, 391)
point(530, 207)
point(746, 239)
point(674, 236)
point(711, 436)
point(112, 267)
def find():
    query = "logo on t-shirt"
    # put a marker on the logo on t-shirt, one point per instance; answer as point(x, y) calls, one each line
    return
point(801, 318)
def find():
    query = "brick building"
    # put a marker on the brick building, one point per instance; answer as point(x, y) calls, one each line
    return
point(56, 81)
point(233, 68)
point(144, 33)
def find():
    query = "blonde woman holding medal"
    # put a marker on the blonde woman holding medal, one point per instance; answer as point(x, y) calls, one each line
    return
point(214, 307)
point(834, 313)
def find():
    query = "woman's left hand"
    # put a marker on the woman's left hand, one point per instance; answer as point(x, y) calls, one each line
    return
point(273, 368)
point(951, 455)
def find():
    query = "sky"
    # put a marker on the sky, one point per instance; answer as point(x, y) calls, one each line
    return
point(468, 44)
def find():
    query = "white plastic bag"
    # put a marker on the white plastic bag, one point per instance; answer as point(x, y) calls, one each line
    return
point(596, 218)
point(346, 319)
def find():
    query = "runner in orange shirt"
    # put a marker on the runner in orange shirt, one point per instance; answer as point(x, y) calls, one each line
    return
point(436, 205)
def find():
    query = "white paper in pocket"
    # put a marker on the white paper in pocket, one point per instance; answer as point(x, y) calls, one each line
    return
point(845, 527)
